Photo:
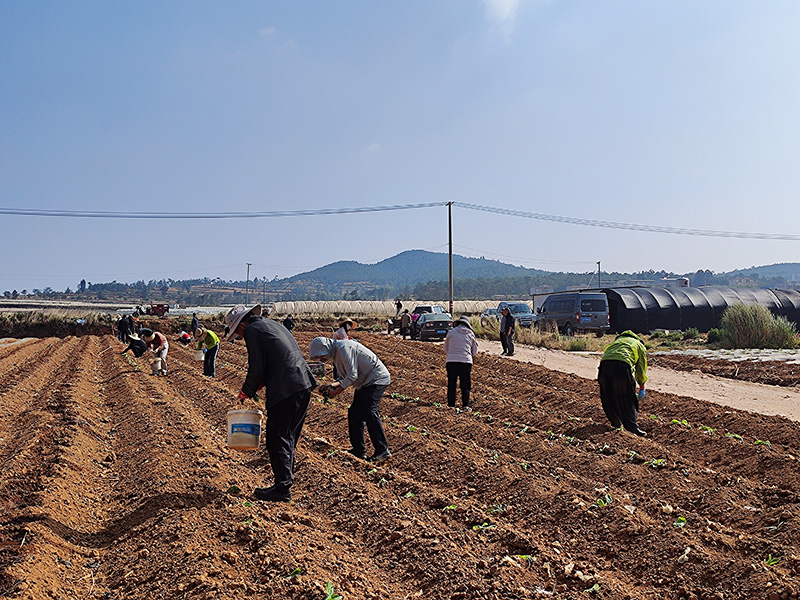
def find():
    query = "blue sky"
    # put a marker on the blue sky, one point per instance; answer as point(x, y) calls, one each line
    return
point(679, 114)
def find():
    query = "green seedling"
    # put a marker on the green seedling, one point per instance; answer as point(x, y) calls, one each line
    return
point(247, 521)
point(247, 503)
point(233, 490)
point(330, 594)
point(604, 500)
point(372, 470)
point(594, 589)
point(524, 429)
point(524, 466)
point(507, 424)
point(776, 526)
point(658, 463)
point(494, 458)
point(655, 418)
point(570, 440)
point(603, 448)
point(631, 455)
point(574, 418)
point(437, 405)
point(735, 436)
point(771, 561)
point(763, 442)
point(332, 452)
point(449, 507)
point(497, 508)
point(295, 573)
point(382, 482)
point(483, 527)
point(526, 557)
point(682, 422)
point(411, 428)
point(551, 435)
point(409, 495)
point(707, 429)
point(680, 522)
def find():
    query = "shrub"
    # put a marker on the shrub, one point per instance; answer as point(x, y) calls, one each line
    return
point(714, 336)
point(754, 326)
point(691, 334)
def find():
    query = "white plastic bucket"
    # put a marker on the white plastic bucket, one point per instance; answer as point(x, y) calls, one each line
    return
point(198, 355)
point(244, 429)
point(156, 364)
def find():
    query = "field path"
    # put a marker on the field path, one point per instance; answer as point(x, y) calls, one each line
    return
point(742, 395)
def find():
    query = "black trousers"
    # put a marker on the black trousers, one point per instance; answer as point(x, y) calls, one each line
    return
point(461, 372)
point(364, 411)
point(210, 361)
point(618, 394)
point(284, 424)
point(507, 342)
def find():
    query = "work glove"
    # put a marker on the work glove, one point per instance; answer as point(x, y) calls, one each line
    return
point(641, 394)
point(242, 396)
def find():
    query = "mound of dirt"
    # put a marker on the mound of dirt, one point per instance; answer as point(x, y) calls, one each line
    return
point(118, 484)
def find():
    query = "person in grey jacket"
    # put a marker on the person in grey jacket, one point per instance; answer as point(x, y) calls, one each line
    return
point(357, 367)
point(461, 347)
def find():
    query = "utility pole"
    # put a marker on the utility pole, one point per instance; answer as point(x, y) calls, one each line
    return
point(450, 244)
point(247, 285)
point(598, 274)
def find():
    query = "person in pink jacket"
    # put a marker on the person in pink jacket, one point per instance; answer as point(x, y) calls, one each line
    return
point(158, 342)
point(461, 347)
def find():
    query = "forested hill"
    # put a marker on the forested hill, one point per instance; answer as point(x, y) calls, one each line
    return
point(410, 268)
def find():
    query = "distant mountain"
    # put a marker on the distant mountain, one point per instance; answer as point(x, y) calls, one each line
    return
point(408, 269)
point(789, 271)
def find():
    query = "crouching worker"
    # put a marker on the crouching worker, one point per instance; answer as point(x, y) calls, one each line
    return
point(357, 366)
point(276, 363)
point(211, 341)
point(624, 364)
point(158, 342)
point(135, 345)
point(184, 338)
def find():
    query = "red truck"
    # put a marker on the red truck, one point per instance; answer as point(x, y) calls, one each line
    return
point(158, 310)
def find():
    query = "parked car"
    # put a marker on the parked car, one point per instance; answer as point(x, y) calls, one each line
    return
point(489, 315)
point(421, 309)
point(521, 311)
point(575, 311)
point(432, 325)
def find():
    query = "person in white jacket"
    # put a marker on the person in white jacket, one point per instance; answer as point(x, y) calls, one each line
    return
point(461, 347)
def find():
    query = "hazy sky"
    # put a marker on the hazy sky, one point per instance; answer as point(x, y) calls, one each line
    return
point(679, 114)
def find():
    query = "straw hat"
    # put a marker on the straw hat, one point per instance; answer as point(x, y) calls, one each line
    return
point(236, 314)
point(150, 337)
point(200, 334)
point(350, 322)
point(133, 336)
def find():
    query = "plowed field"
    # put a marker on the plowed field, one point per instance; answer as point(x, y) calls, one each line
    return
point(118, 484)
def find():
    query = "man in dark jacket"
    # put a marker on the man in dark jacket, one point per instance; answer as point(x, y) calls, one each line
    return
point(276, 363)
point(136, 345)
point(507, 332)
point(195, 323)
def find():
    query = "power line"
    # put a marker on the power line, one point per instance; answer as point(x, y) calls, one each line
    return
point(31, 212)
point(630, 226)
point(91, 214)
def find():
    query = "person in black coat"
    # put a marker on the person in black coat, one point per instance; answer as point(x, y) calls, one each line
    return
point(195, 323)
point(276, 363)
point(289, 323)
point(135, 345)
point(507, 332)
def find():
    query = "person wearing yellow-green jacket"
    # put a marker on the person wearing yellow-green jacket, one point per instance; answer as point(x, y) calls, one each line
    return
point(211, 341)
point(624, 364)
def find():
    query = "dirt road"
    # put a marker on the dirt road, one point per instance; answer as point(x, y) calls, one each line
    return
point(743, 395)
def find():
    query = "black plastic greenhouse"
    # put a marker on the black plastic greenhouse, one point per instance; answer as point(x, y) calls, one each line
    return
point(643, 309)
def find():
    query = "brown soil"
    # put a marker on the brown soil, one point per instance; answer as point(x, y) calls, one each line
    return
point(772, 372)
point(118, 484)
